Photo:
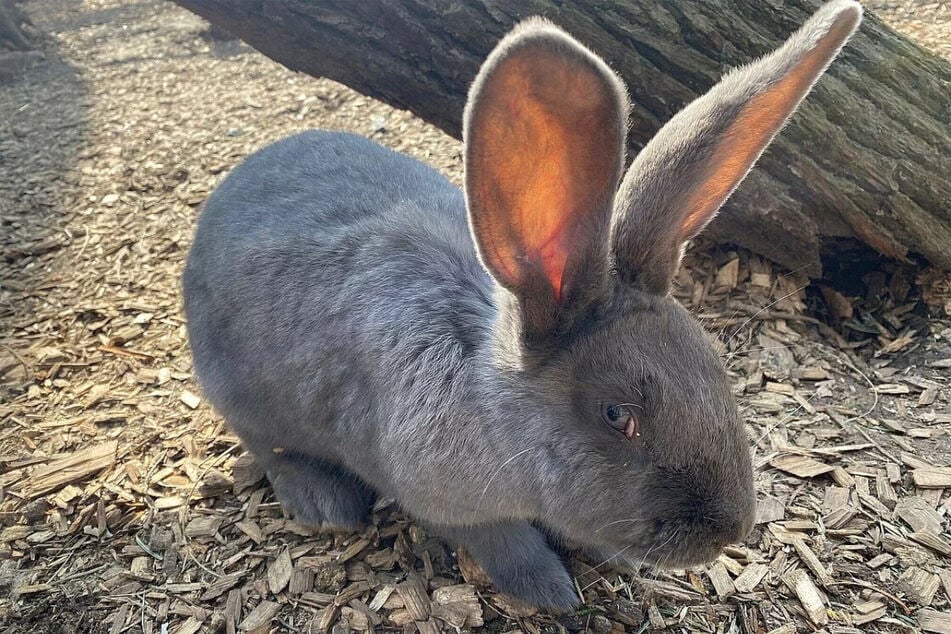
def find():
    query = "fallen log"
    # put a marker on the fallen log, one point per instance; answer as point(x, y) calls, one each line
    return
point(866, 158)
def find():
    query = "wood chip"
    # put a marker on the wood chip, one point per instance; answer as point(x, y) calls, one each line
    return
point(655, 618)
point(302, 581)
point(71, 469)
point(894, 472)
point(894, 425)
point(400, 618)
point(779, 388)
point(932, 541)
point(369, 617)
point(762, 280)
point(381, 597)
point(945, 575)
point(259, 620)
point(353, 620)
point(457, 605)
point(120, 617)
point(891, 388)
point(928, 397)
point(279, 572)
point(800, 466)
point(805, 590)
point(327, 616)
point(800, 526)
point(732, 565)
point(934, 621)
point(204, 526)
point(318, 599)
point(842, 477)
point(722, 583)
point(252, 530)
point(220, 586)
point(868, 611)
point(429, 626)
point(884, 490)
point(837, 302)
point(728, 274)
point(190, 399)
point(835, 498)
point(464, 594)
point(246, 473)
point(470, 569)
point(839, 518)
point(812, 374)
point(751, 577)
point(413, 593)
point(932, 478)
point(769, 509)
point(919, 515)
point(812, 562)
point(919, 584)
point(191, 626)
point(354, 549)
point(873, 503)
point(911, 460)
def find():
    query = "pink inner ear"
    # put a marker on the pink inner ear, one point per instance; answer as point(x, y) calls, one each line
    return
point(755, 126)
point(554, 256)
point(543, 160)
point(540, 181)
point(545, 239)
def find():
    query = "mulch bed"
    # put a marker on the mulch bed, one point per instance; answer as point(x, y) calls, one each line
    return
point(127, 506)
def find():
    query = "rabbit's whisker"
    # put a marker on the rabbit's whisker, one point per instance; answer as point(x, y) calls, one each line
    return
point(499, 470)
point(618, 554)
point(625, 521)
point(659, 547)
point(761, 311)
point(784, 419)
point(751, 350)
point(640, 407)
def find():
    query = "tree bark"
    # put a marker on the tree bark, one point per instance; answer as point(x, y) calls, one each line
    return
point(868, 155)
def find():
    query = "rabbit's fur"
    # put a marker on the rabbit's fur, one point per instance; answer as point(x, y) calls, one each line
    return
point(366, 328)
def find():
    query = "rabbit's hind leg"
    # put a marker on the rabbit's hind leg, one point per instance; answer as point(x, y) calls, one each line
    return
point(319, 493)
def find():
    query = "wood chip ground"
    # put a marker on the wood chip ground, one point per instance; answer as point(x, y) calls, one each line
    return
point(126, 505)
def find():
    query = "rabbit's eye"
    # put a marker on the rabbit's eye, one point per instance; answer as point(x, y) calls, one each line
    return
point(621, 416)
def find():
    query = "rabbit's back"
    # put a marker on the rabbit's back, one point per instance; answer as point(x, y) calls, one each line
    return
point(323, 182)
point(322, 268)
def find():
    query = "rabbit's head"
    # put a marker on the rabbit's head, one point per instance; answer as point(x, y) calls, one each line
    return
point(637, 444)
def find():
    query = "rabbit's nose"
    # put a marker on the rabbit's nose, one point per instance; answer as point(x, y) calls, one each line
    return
point(733, 523)
point(733, 530)
point(722, 521)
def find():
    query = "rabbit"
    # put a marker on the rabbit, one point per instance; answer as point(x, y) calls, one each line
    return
point(505, 360)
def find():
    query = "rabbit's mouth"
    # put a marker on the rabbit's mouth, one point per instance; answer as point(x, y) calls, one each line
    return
point(673, 544)
point(689, 557)
point(660, 556)
point(688, 544)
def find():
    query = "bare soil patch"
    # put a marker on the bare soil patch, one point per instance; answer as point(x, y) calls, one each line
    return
point(127, 506)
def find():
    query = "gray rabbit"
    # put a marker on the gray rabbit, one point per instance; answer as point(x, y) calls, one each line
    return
point(507, 362)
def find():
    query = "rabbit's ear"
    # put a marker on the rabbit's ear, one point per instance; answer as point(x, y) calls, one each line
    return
point(544, 149)
point(678, 182)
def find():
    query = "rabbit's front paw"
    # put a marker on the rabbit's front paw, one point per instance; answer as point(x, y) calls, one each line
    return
point(320, 494)
point(539, 579)
point(518, 559)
